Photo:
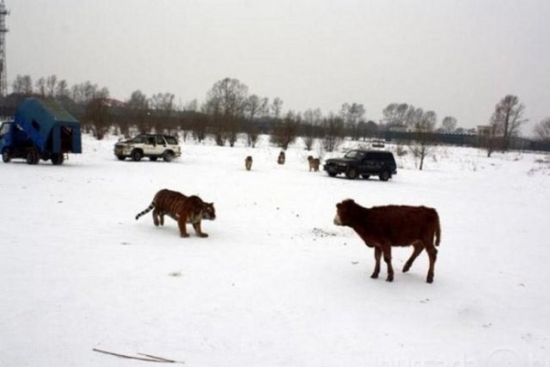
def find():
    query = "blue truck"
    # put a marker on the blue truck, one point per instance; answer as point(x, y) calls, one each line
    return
point(40, 129)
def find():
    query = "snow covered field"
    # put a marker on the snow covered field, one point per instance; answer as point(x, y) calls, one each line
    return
point(276, 283)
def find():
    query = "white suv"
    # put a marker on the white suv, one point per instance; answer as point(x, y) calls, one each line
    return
point(153, 146)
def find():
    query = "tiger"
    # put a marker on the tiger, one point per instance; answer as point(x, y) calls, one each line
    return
point(181, 208)
point(313, 163)
point(248, 163)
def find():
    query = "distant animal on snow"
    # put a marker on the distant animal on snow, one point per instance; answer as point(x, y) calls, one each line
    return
point(248, 163)
point(281, 158)
point(313, 163)
point(181, 208)
point(385, 226)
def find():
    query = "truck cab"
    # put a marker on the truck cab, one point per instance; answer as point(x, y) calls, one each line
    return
point(13, 141)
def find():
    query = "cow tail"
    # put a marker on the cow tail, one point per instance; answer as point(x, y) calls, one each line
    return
point(438, 233)
point(147, 210)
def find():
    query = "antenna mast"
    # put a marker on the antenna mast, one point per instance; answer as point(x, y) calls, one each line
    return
point(3, 30)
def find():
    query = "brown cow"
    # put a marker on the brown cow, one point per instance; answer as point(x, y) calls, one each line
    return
point(385, 226)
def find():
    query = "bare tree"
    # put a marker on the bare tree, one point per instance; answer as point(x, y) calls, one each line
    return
point(507, 119)
point(333, 132)
point(41, 87)
point(277, 108)
point(98, 114)
point(424, 126)
point(255, 107)
point(51, 83)
point(198, 123)
point(352, 114)
point(311, 126)
point(399, 114)
point(449, 124)
point(62, 89)
point(77, 94)
point(285, 132)
point(542, 129)
point(84, 92)
point(138, 106)
point(225, 103)
point(367, 129)
point(22, 85)
point(162, 108)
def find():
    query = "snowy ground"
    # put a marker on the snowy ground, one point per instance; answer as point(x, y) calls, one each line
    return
point(276, 283)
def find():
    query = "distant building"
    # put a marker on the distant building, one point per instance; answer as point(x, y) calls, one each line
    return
point(484, 130)
point(488, 130)
point(399, 129)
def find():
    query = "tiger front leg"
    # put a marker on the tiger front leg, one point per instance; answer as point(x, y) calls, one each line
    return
point(198, 230)
point(183, 228)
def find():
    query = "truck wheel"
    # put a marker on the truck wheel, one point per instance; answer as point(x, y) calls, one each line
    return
point(168, 156)
point(384, 176)
point(57, 159)
point(137, 155)
point(6, 156)
point(351, 174)
point(32, 157)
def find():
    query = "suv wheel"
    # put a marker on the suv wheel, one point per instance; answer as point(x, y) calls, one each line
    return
point(120, 157)
point(366, 177)
point(137, 155)
point(168, 156)
point(384, 176)
point(351, 173)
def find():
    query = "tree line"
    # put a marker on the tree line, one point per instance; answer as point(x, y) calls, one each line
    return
point(229, 109)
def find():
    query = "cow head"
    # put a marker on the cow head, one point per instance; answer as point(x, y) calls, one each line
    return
point(342, 212)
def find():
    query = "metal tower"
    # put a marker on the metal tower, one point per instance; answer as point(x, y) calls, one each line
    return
point(3, 31)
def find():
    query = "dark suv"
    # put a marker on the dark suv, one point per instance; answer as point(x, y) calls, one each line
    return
point(364, 163)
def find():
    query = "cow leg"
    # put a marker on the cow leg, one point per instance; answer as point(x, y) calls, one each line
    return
point(386, 250)
point(418, 247)
point(432, 253)
point(377, 257)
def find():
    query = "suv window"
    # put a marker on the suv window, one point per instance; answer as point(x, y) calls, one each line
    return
point(160, 140)
point(354, 154)
point(140, 139)
point(171, 140)
point(380, 156)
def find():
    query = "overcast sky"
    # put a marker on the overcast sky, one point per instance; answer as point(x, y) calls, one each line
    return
point(455, 57)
